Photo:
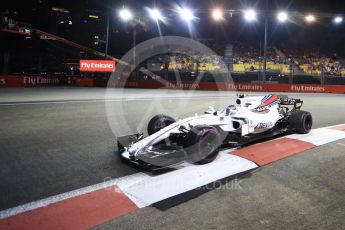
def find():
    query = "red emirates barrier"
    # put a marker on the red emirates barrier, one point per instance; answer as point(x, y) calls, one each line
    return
point(222, 86)
point(34, 81)
point(29, 81)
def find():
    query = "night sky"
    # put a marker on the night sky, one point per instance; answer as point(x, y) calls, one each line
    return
point(323, 35)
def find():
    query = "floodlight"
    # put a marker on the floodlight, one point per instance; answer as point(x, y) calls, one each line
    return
point(186, 14)
point(282, 16)
point(155, 14)
point(250, 15)
point(217, 14)
point(310, 18)
point(125, 14)
point(338, 19)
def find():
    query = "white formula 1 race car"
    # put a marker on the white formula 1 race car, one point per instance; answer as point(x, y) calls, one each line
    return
point(199, 138)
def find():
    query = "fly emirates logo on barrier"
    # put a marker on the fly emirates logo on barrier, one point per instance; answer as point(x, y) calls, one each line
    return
point(97, 66)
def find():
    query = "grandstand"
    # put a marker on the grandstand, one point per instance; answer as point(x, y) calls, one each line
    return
point(245, 62)
point(249, 58)
point(313, 62)
point(244, 58)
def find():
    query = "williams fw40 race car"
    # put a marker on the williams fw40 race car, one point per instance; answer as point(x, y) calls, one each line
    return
point(198, 138)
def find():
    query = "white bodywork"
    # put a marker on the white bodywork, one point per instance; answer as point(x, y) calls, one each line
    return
point(249, 121)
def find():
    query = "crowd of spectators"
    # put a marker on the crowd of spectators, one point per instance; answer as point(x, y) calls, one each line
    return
point(250, 58)
point(244, 53)
point(245, 57)
point(315, 62)
point(185, 62)
point(191, 60)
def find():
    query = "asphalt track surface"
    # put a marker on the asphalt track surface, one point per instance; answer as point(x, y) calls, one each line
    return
point(55, 140)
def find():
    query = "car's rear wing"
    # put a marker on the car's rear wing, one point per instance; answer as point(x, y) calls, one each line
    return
point(297, 103)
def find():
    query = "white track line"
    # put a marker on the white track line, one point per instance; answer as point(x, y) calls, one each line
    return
point(107, 100)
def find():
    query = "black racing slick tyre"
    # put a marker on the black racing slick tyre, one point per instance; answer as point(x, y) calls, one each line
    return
point(202, 144)
point(159, 122)
point(301, 121)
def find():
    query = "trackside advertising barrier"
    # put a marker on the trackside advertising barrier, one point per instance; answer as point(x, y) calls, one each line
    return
point(29, 81)
point(34, 81)
point(223, 86)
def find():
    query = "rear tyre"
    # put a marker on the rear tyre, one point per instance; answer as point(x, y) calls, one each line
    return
point(159, 122)
point(301, 121)
point(202, 144)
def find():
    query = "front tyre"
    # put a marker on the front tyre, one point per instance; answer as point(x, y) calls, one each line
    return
point(202, 144)
point(159, 122)
point(301, 121)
